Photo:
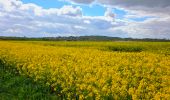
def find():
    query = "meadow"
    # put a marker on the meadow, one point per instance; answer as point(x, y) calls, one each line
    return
point(91, 70)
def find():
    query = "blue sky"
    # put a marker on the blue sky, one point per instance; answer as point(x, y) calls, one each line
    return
point(48, 3)
point(116, 18)
point(88, 10)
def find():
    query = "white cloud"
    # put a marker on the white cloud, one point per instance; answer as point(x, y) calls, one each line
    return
point(151, 28)
point(34, 21)
point(79, 27)
point(8, 5)
point(82, 1)
point(151, 7)
point(156, 12)
point(70, 11)
point(87, 22)
point(109, 14)
point(39, 11)
point(18, 19)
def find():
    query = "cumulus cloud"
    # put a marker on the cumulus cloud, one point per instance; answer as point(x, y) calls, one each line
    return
point(33, 21)
point(109, 14)
point(155, 12)
point(70, 11)
point(151, 28)
point(153, 7)
point(19, 19)
point(82, 1)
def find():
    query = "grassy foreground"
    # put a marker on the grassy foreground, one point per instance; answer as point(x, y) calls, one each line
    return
point(17, 87)
point(85, 70)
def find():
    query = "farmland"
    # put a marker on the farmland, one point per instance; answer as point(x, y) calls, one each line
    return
point(92, 70)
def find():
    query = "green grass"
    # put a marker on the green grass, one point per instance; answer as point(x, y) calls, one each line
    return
point(16, 87)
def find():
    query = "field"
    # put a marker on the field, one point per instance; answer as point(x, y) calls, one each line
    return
point(91, 70)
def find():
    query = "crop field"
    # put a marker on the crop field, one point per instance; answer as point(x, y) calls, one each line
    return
point(93, 70)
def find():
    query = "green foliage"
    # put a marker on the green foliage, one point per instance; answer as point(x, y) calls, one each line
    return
point(125, 48)
point(17, 87)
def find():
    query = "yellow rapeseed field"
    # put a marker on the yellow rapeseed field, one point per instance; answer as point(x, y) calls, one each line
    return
point(92, 72)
